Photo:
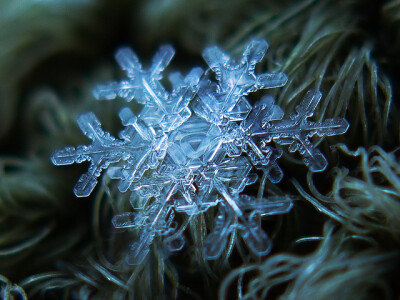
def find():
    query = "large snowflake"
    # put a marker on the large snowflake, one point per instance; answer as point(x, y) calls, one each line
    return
point(196, 147)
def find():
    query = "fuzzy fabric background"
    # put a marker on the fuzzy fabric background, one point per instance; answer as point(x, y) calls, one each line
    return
point(340, 241)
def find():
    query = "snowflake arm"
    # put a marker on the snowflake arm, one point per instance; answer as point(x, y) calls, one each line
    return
point(227, 220)
point(140, 151)
point(297, 130)
point(228, 179)
point(224, 102)
point(252, 234)
point(163, 109)
point(101, 153)
point(155, 220)
point(142, 85)
point(238, 139)
point(216, 241)
point(238, 78)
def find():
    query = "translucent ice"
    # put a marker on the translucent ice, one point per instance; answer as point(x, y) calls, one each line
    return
point(197, 147)
point(167, 110)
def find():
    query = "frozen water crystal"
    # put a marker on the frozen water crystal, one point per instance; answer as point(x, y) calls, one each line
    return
point(140, 147)
point(223, 101)
point(297, 130)
point(167, 110)
point(197, 147)
point(248, 227)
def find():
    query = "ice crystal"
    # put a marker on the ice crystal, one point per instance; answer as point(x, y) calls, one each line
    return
point(197, 147)
point(140, 147)
point(167, 110)
point(224, 101)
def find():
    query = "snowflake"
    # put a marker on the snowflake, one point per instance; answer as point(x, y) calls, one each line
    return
point(197, 147)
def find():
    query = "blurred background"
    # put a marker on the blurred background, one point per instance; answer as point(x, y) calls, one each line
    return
point(341, 240)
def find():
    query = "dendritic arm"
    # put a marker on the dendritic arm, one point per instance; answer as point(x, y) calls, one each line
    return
point(138, 151)
point(238, 78)
point(228, 220)
point(161, 109)
point(142, 85)
point(224, 102)
point(297, 130)
point(101, 153)
point(238, 140)
point(155, 220)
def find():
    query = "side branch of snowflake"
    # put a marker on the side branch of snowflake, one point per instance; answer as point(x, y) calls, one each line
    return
point(196, 147)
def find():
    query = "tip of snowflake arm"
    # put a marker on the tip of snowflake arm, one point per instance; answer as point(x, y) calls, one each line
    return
point(193, 77)
point(255, 51)
point(161, 59)
point(215, 57)
point(256, 238)
point(333, 127)
point(216, 241)
point(307, 107)
point(106, 91)
point(271, 80)
point(138, 250)
point(176, 79)
point(128, 61)
point(88, 123)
